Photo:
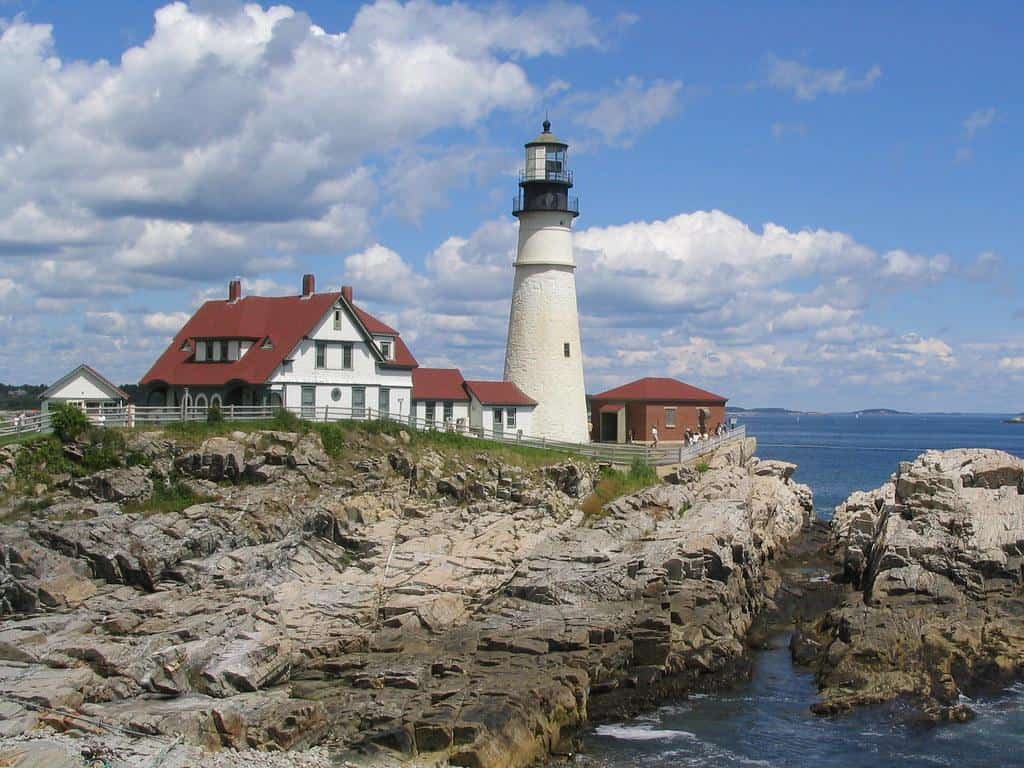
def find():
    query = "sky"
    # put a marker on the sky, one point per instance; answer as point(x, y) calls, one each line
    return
point(808, 207)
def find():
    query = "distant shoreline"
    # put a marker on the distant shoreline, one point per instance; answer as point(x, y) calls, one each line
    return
point(1007, 416)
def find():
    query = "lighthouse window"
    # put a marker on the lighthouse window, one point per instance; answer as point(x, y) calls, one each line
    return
point(566, 349)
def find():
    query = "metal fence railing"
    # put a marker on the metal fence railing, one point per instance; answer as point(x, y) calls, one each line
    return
point(133, 416)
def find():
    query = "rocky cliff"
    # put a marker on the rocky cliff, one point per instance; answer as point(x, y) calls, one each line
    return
point(937, 558)
point(401, 603)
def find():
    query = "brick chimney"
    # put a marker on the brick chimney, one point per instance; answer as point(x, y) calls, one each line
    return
point(346, 291)
point(308, 286)
point(234, 290)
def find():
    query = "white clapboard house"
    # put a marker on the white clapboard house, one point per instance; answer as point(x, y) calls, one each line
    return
point(307, 352)
point(443, 398)
point(86, 388)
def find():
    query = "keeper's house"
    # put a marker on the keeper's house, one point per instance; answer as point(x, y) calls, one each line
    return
point(307, 352)
point(627, 413)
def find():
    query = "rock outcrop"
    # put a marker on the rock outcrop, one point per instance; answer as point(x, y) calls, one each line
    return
point(937, 558)
point(398, 604)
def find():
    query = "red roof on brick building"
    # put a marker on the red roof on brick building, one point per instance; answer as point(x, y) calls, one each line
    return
point(275, 325)
point(438, 384)
point(655, 389)
point(498, 393)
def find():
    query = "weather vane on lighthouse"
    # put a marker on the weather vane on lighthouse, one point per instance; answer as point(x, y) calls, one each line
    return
point(543, 355)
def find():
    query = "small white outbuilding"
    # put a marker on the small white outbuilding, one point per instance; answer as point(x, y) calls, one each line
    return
point(86, 388)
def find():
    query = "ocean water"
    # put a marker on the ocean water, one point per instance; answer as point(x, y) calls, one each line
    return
point(767, 721)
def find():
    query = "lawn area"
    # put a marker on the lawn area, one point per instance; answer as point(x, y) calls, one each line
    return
point(337, 437)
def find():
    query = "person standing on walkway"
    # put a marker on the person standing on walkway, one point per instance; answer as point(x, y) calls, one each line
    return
point(654, 436)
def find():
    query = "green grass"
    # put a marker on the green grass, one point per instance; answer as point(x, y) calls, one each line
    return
point(25, 438)
point(338, 435)
point(615, 483)
point(702, 467)
point(167, 498)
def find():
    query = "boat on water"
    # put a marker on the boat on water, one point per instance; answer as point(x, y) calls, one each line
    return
point(1018, 419)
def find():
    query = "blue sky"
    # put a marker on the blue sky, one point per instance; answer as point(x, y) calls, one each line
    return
point(807, 207)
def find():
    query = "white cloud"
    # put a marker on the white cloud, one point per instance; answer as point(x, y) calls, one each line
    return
point(620, 114)
point(807, 83)
point(1012, 363)
point(978, 121)
point(901, 265)
point(167, 323)
point(781, 130)
point(235, 132)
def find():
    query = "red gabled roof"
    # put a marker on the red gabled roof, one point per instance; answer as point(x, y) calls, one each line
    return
point(661, 390)
point(498, 393)
point(285, 320)
point(403, 357)
point(438, 384)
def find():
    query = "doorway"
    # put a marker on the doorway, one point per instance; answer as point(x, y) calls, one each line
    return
point(609, 427)
point(499, 422)
point(309, 402)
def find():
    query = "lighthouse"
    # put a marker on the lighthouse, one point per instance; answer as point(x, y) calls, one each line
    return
point(543, 355)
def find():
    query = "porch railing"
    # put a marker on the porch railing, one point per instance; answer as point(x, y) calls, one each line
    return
point(133, 416)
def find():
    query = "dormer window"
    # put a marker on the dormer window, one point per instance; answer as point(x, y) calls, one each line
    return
point(385, 350)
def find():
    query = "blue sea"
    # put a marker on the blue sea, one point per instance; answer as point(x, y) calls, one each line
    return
point(767, 721)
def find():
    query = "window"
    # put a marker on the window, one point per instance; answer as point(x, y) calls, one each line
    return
point(385, 350)
point(200, 352)
point(209, 350)
point(497, 418)
point(232, 350)
point(215, 401)
point(337, 319)
point(670, 418)
point(566, 349)
point(510, 416)
point(384, 401)
point(346, 357)
point(200, 401)
point(321, 354)
point(358, 402)
point(449, 411)
point(431, 413)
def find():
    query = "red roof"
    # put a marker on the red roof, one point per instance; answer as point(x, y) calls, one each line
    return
point(661, 390)
point(438, 384)
point(285, 320)
point(498, 393)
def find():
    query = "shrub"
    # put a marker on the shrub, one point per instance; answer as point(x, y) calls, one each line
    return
point(703, 467)
point(106, 449)
point(333, 437)
point(214, 415)
point(286, 421)
point(68, 421)
point(641, 474)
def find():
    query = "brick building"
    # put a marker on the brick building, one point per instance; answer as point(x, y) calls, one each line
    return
point(627, 413)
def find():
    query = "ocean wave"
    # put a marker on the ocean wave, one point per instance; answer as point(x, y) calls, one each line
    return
point(641, 733)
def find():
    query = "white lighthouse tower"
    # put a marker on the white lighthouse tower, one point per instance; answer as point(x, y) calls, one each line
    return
point(543, 356)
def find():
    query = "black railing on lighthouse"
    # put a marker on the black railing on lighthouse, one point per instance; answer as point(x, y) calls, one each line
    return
point(545, 174)
point(549, 202)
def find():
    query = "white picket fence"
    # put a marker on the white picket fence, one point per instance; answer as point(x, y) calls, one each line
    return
point(132, 416)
